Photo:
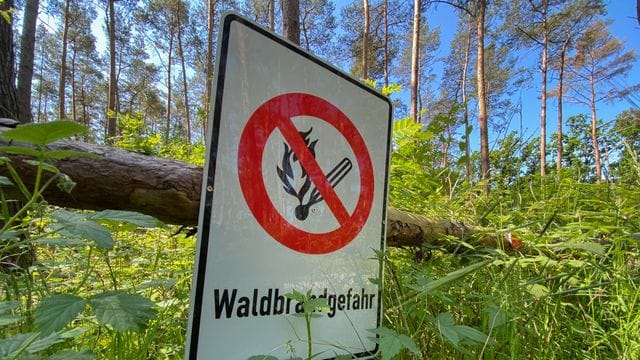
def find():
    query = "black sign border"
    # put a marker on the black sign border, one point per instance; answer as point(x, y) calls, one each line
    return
point(210, 176)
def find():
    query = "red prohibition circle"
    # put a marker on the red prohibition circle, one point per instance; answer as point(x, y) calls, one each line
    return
point(277, 113)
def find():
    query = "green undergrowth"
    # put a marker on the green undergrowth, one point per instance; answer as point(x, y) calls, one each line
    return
point(116, 285)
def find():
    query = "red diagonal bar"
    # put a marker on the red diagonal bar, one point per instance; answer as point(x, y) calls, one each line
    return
point(313, 169)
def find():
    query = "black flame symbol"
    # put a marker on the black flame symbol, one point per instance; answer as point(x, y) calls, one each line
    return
point(286, 175)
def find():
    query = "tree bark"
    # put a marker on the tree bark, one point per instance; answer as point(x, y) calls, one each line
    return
point(170, 191)
point(112, 106)
point(594, 131)
point(482, 98)
point(62, 83)
point(543, 93)
point(8, 101)
point(187, 119)
point(167, 129)
point(386, 42)
point(563, 53)
point(27, 51)
point(291, 20)
point(365, 41)
point(271, 9)
point(211, 12)
point(465, 69)
point(415, 56)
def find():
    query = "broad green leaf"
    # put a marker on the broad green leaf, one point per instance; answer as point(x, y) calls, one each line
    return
point(45, 166)
point(4, 181)
point(8, 319)
point(635, 236)
point(12, 347)
point(73, 224)
point(59, 242)
point(538, 290)
point(65, 183)
point(129, 217)
point(474, 335)
point(446, 326)
point(295, 295)
point(591, 247)
point(317, 304)
point(44, 343)
point(495, 316)
point(391, 343)
point(7, 306)
point(122, 311)
point(74, 332)
point(450, 277)
point(54, 312)
point(63, 154)
point(20, 150)
point(43, 133)
point(72, 355)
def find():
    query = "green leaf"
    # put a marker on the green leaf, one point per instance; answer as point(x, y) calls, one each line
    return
point(129, 217)
point(447, 329)
point(72, 355)
point(44, 133)
point(63, 154)
point(54, 312)
point(391, 343)
point(45, 166)
point(7, 306)
point(44, 343)
point(59, 242)
point(262, 357)
point(295, 295)
point(122, 311)
point(591, 247)
point(537, 290)
point(317, 304)
point(65, 183)
point(72, 224)
point(473, 335)
point(8, 319)
point(449, 278)
point(4, 181)
point(20, 150)
point(11, 347)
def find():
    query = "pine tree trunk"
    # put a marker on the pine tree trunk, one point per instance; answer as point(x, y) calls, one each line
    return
point(272, 14)
point(62, 83)
point(27, 51)
point(563, 53)
point(482, 98)
point(167, 129)
point(465, 69)
point(185, 86)
point(386, 42)
point(365, 41)
point(594, 132)
point(415, 56)
point(211, 12)
point(291, 20)
point(112, 106)
point(74, 115)
point(543, 94)
point(8, 102)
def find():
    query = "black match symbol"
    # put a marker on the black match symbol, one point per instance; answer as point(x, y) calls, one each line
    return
point(286, 175)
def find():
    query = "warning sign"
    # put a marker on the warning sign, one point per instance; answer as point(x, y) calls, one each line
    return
point(277, 113)
point(294, 198)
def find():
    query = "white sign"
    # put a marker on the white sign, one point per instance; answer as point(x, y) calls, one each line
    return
point(294, 198)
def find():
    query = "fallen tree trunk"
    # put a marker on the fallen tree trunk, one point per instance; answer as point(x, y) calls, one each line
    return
point(170, 191)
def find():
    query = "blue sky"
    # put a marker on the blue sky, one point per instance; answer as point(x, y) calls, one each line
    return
point(624, 26)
